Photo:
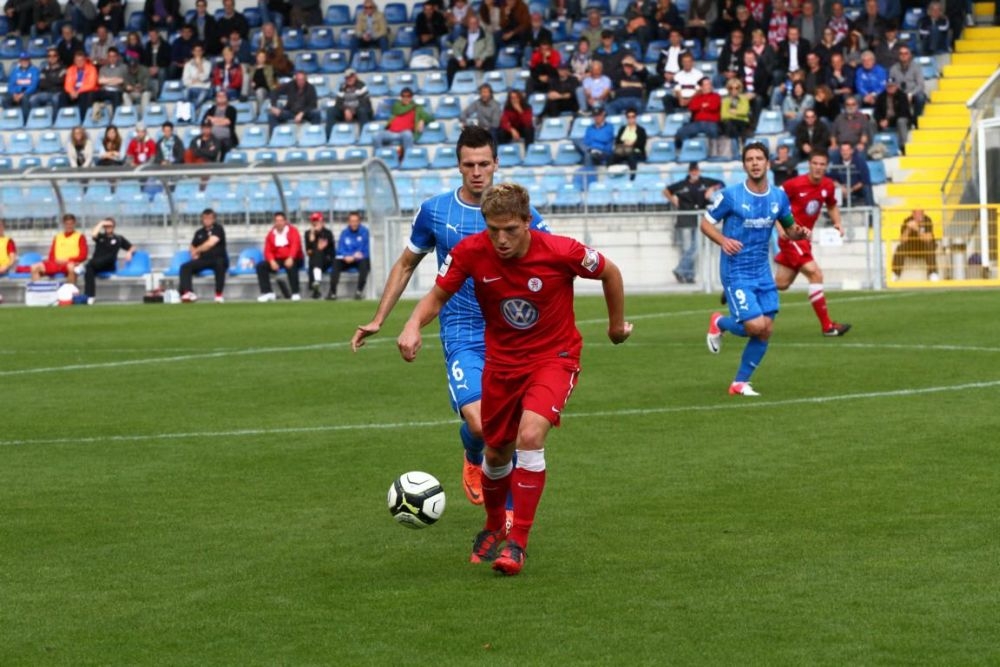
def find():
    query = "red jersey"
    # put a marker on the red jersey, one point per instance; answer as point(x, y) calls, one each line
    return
point(807, 199)
point(281, 246)
point(527, 302)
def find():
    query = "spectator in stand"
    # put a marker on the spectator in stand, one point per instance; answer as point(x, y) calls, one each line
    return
point(456, 16)
point(735, 112)
point(815, 73)
point(139, 88)
point(691, 194)
point(156, 58)
point(79, 148)
point(197, 78)
point(111, 80)
point(430, 26)
point(887, 50)
point(916, 240)
point(811, 136)
point(271, 42)
point(274, 11)
point(52, 77)
point(706, 114)
point(731, 56)
point(630, 143)
point(21, 85)
point(783, 165)
point(320, 247)
point(352, 105)
point(688, 81)
point(180, 52)
point(473, 49)
point(564, 10)
point(45, 13)
point(795, 105)
point(204, 148)
point(839, 23)
point(629, 88)
point(561, 97)
point(870, 24)
point(911, 81)
point(826, 105)
point(262, 80)
point(848, 167)
point(370, 29)
point(99, 48)
point(241, 48)
point(579, 63)
point(755, 81)
point(543, 67)
point(301, 105)
point(869, 80)
point(305, 13)
point(107, 244)
point(515, 24)
point(353, 252)
point(642, 18)
point(222, 117)
point(827, 46)
point(767, 58)
point(792, 52)
point(170, 147)
point(111, 153)
point(725, 21)
point(668, 63)
point(841, 78)
point(8, 253)
point(598, 142)
point(594, 29)
point(852, 127)
point(406, 123)
point(539, 33)
point(892, 112)
point(777, 19)
point(810, 23)
point(232, 21)
point(854, 47)
point(701, 14)
point(111, 14)
point(516, 122)
point(746, 22)
point(484, 111)
point(132, 49)
point(595, 88)
point(208, 251)
point(67, 252)
point(227, 76)
point(282, 250)
point(141, 149)
point(489, 15)
point(933, 31)
point(81, 14)
point(68, 45)
point(609, 53)
point(205, 29)
point(80, 84)
point(162, 15)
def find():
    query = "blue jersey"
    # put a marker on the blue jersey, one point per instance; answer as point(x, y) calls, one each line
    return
point(440, 223)
point(749, 218)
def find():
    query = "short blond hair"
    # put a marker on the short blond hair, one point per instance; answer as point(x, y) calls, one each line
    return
point(505, 201)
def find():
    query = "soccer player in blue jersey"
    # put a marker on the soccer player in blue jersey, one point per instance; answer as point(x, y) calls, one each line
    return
point(748, 212)
point(440, 223)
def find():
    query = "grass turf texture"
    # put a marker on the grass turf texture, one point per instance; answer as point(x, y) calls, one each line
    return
point(206, 485)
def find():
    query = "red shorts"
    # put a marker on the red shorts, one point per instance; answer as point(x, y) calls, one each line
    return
point(543, 388)
point(794, 254)
point(52, 268)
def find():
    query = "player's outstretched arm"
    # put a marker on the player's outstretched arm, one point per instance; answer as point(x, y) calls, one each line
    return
point(614, 296)
point(410, 341)
point(395, 284)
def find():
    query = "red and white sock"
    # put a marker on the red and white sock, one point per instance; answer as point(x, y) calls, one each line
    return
point(818, 301)
point(527, 486)
point(496, 486)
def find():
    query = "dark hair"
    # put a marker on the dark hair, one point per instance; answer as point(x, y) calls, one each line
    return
point(756, 146)
point(474, 136)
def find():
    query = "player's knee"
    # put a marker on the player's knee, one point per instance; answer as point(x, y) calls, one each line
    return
point(496, 458)
point(531, 436)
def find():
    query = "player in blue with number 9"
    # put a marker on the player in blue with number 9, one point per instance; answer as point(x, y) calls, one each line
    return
point(440, 223)
point(748, 212)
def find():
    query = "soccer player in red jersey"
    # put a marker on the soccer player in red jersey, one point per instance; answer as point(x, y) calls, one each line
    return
point(807, 194)
point(524, 286)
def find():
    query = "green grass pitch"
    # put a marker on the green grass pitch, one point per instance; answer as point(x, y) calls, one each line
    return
point(202, 485)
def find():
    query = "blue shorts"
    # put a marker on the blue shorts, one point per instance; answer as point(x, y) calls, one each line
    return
point(465, 377)
point(747, 301)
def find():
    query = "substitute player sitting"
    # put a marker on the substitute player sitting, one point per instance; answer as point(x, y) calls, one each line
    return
point(807, 194)
point(524, 285)
point(67, 252)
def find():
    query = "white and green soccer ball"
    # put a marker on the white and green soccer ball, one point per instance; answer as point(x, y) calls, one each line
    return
point(416, 499)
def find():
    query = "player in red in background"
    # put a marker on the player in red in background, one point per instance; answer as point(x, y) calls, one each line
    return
point(807, 194)
point(524, 285)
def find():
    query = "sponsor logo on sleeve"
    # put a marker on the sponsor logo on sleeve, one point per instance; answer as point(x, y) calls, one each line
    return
point(445, 265)
point(591, 260)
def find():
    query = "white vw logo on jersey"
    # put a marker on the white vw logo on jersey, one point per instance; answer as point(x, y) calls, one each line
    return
point(519, 313)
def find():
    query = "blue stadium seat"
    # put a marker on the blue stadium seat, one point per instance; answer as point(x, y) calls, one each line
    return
point(383, 110)
point(464, 83)
point(912, 17)
point(566, 155)
point(403, 80)
point(652, 54)
point(444, 158)
point(246, 262)
point(253, 136)
point(415, 158)
point(155, 115)
point(334, 62)
point(538, 155)
point(48, 143)
point(343, 134)
point(136, 22)
point(179, 257)
point(580, 125)
point(389, 155)
point(19, 143)
point(509, 155)
point(567, 196)
point(554, 129)
point(345, 40)
point(296, 155)
point(236, 157)
point(306, 61)
point(325, 155)
point(67, 118)
point(338, 15)
point(11, 119)
point(928, 66)
point(319, 38)
point(599, 194)
point(673, 123)
point(365, 60)
point(57, 162)
point(11, 48)
point(39, 118)
point(378, 85)
point(395, 12)
point(449, 107)
point(497, 81)
point(25, 260)
point(253, 16)
point(770, 122)
point(125, 116)
point(172, 91)
point(138, 266)
point(405, 38)
point(292, 38)
point(266, 156)
point(509, 57)
point(424, 57)
point(356, 153)
point(655, 102)
point(694, 46)
point(393, 60)
point(713, 49)
point(434, 132)
point(435, 83)
point(312, 136)
point(877, 170)
point(694, 149)
point(368, 132)
point(661, 151)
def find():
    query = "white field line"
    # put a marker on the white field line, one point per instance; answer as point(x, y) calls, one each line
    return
point(735, 404)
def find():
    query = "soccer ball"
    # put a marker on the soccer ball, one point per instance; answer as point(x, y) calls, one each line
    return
point(66, 294)
point(416, 499)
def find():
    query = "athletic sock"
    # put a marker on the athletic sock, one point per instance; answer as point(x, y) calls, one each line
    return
point(496, 486)
point(752, 354)
point(730, 324)
point(527, 486)
point(473, 445)
point(818, 300)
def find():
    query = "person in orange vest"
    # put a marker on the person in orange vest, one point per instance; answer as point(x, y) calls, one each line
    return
point(8, 252)
point(80, 84)
point(68, 250)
